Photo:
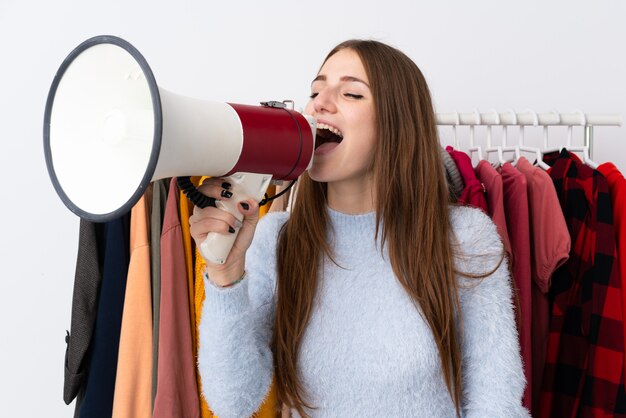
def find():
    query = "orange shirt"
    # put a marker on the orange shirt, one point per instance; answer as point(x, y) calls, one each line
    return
point(133, 382)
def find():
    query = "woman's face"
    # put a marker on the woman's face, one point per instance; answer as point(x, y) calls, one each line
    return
point(342, 103)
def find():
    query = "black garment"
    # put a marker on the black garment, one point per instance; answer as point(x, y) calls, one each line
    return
point(100, 385)
point(84, 307)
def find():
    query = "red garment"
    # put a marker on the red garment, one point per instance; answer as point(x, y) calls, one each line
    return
point(516, 207)
point(617, 188)
point(177, 392)
point(550, 246)
point(474, 192)
point(584, 372)
point(492, 180)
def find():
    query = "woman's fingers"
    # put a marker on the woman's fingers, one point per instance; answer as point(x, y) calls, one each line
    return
point(217, 189)
point(211, 219)
point(250, 210)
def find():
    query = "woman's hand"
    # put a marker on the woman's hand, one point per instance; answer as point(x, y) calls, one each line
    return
point(211, 219)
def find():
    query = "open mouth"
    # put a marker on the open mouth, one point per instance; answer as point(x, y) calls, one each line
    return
point(326, 134)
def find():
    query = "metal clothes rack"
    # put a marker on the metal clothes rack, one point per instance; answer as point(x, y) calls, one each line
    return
point(531, 118)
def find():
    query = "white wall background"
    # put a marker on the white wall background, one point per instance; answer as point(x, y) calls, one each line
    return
point(562, 55)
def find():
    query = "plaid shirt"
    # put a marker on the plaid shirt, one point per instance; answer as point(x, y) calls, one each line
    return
point(584, 373)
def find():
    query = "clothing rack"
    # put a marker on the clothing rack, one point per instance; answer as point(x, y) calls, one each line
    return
point(531, 118)
point(582, 251)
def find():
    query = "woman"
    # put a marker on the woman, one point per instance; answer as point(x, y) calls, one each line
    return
point(376, 296)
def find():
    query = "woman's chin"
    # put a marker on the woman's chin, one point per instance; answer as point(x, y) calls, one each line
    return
point(320, 173)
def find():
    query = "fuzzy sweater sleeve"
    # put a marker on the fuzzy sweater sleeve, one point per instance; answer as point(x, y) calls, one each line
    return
point(493, 377)
point(234, 359)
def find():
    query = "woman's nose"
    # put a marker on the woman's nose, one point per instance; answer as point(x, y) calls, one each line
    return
point(324, 102)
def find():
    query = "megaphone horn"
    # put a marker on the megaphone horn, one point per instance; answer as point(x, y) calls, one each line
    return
point(110, 130)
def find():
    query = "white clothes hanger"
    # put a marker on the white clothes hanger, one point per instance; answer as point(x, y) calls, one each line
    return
point(505, 146)
point(546, 149)
point(473, 147)
point(457, 122)
point(523, 147)
point(455, 181)
point(584, 149)
point(491, 148)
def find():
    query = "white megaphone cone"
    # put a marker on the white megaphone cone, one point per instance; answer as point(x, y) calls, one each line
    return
point(110, 130)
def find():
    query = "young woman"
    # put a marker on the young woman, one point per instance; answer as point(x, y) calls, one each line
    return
point(376, 296)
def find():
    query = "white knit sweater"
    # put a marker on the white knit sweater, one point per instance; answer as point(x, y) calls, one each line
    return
point(367, 351)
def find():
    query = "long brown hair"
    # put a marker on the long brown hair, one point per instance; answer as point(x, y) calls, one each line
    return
point(411, 189)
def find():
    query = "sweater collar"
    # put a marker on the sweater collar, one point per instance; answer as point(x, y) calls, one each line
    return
point(362, 224)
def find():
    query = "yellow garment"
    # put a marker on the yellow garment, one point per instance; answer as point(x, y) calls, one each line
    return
point(269, 407)
point(186, 210)
point(133, 382)
point(205, 412)
point(263, 210)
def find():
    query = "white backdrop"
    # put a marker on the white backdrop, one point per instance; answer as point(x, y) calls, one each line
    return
point(562, 55)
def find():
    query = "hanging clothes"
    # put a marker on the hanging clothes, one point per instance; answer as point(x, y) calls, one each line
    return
point(263, 210)
point(159, 199)
point(205, 411)
point(84, 308)
point(100, 385)
point(177, 394)
point(617, 189)
point(550, 247)
point(584, 371)
point(186, 210)
point(474, 192)
point(515, 190)
point(492, 180)
point(133, 382)
point(199, 301)
point(453, 176)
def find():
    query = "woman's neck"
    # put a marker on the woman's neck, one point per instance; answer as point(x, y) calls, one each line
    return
point(352, 196)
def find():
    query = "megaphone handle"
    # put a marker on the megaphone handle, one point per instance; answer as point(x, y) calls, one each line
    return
point(216, 246)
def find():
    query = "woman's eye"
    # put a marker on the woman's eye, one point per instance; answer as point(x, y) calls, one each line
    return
point(354, 96)
point(313, 95)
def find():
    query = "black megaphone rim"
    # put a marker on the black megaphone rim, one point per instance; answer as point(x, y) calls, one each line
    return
point(158, 127)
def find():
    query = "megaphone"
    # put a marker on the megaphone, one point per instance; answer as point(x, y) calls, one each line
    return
point(110, 130)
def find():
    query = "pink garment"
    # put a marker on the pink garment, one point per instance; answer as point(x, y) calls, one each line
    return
point(516, 207)
point(177, 391)
point(474, 192)
point(492, 180)
point(550, 237)
point(550, 246)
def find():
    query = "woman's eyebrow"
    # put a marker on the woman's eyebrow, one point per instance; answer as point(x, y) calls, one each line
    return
point(322, 77)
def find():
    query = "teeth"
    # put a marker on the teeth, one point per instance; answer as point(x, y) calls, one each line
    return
point(330, 128)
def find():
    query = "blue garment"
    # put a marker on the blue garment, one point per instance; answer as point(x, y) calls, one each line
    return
point(367, 350)
point(115, 256)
